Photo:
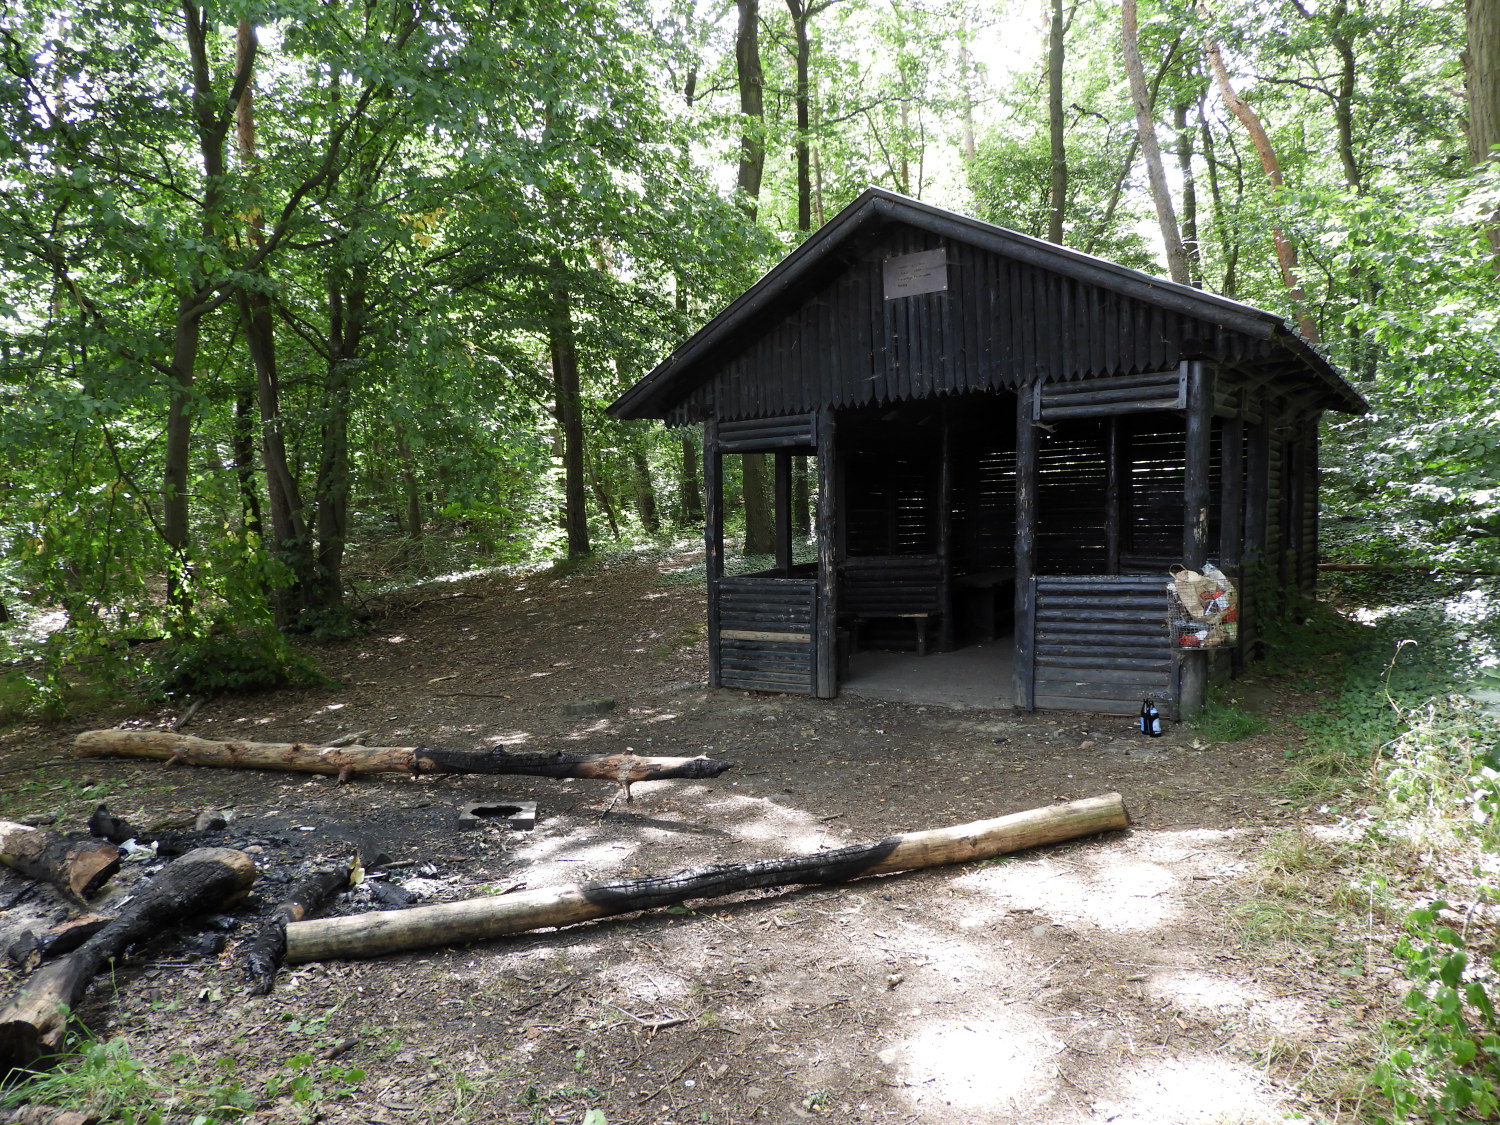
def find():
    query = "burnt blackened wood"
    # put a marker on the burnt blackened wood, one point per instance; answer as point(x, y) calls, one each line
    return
point(945, 530)
point(33, 1024)
point(105, 825)
point(369, 935)
point(761, 435)
point(77, 866)
point(307, 896)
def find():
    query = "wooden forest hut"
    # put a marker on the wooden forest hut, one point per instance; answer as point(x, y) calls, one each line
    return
point(1007, 438)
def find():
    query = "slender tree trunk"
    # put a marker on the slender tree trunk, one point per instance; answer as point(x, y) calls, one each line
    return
point(1145, 124)
point(1482, 78)
point(1228, 242)
point(411, 491)
point(347, 313)
point(645, 492)
point(689, 486)
point(288, 525)
point(243, 444)
point(1189, 192)
point(802, 56)
point(760, 533)
point(1286, 251)
point(1058, 184)
point(602, 495)
point(752, 105)
point(174, 484)
point(966, 78)
point(569, 412)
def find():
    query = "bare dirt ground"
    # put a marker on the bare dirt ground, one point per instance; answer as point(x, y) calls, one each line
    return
point(1102, 980)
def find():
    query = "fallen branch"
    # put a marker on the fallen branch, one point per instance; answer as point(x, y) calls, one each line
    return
point(76, 866)
point(480, 919)
point(33, 1023)
point(345, 762)
point(305, 897)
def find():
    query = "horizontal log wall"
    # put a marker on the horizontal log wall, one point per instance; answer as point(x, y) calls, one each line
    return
point(1122, 394)
point(766, 637)
point(1102, 644)
point(759, 435)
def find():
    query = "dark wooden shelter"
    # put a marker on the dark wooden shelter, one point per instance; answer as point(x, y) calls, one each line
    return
point(1009, 438)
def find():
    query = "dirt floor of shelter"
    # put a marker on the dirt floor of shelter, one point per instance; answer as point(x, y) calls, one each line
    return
point(1101, 980)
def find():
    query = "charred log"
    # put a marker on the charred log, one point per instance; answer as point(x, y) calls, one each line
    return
point(345, 762)
point(373, 934)
point(33, 1023)
point(77, 866)
point(306, 897)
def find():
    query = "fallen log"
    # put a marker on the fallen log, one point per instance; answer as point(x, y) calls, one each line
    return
point(306, 897)
point(77, 866)
point(32, 1025)
point(451, 923)
point(345, 762)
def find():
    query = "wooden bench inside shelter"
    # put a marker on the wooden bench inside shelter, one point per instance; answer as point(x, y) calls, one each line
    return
point(879, 587)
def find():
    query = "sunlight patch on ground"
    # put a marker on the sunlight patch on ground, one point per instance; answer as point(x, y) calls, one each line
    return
point(793, 831)
point(1120, 896)
point(1201, 992)
point(1193, 1091)
point(995, 1064)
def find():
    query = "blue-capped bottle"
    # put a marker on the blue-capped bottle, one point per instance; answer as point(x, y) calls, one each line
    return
point(1150, 719)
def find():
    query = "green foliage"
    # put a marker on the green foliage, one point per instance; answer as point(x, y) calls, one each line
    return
point(1224, 720)
point(106, 1079)
point(1447, 1068)
point(230, 659)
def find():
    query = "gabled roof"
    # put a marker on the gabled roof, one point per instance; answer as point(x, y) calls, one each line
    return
point(876, 208)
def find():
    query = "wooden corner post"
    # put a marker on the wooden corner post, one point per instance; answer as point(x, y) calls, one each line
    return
point(826, 678)
point(1026, 480)
point(1196, 499)
point(713, 533)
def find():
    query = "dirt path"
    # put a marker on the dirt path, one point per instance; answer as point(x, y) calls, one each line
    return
point(1099, 981)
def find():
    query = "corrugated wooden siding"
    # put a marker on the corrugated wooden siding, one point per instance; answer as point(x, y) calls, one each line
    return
point(766, 633)
point(1118, 394)
point(999, 322)
point(756, 435)
point(1102, 644)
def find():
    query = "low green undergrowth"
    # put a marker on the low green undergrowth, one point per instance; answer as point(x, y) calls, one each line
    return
point(105, 1079)
point(1407, 762)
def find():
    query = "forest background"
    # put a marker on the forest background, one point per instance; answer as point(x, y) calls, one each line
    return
point(296, 297)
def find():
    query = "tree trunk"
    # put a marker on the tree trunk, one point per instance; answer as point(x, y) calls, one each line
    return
point(752, 105)
point(690, 486)
point(600, 488)
point(1145, 125)
point(1189, 193)
point(371, 935)
point(1482, 77)
point(242, 441)
point(1286, 252)
point(1057, 205)
point(33, 1024)
point(345, 762)
point(76, 866)
point(760, 530)
point(1228, 243)
point(569, 412)
point(645, 492)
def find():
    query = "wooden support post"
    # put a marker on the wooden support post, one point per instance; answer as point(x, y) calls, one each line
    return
point(1193, 670)
point(1257, 484)
point(1232, 512)
point(713, 532)
point(1026, 482)
point(1116, 473)
point(1310, 492)
point(826, 680)
point(783, 513)
point(946, 638)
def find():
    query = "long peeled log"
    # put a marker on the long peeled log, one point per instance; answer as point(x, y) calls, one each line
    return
point(77, 867)
point(480, 919)
point(33, 1023)
point(348, 761)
